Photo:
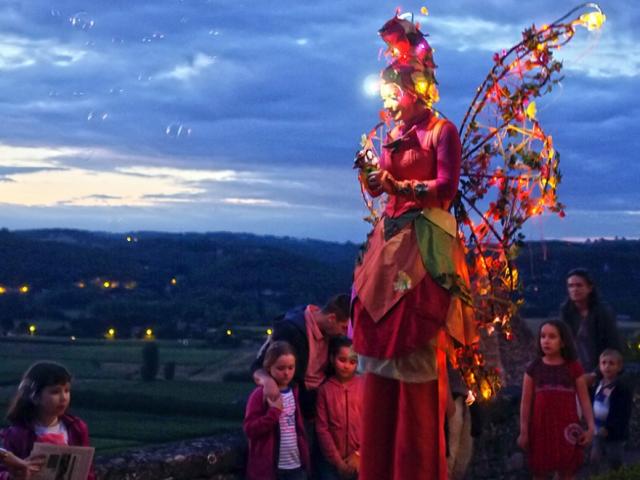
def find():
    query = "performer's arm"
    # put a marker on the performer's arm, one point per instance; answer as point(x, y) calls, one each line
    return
point(444, 187)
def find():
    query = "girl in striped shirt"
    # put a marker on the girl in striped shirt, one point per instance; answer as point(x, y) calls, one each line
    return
point(277, 446)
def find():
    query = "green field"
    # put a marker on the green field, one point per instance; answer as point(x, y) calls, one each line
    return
point(121, 410)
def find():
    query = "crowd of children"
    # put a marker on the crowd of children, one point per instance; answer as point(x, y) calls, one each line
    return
point(558, 418)
point(278, 447)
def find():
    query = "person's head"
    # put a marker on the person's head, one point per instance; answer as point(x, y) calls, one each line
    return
point(408, 85)
point(334, 317)
point(45, 391)
point(610, 364)
point(554, 337)
point(280, 362)
point(581, 287)
point(343, 359)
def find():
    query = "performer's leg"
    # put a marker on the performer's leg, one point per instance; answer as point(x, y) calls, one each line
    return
point(379, 416)
point(417, 452)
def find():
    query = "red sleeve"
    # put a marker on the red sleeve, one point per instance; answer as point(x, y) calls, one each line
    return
point(449, 159)
point(259, 420)
point(576, 369)
point(14, 439)
point(325, 439)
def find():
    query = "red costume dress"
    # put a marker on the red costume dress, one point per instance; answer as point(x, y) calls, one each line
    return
point(554, 418)
point(412, 284)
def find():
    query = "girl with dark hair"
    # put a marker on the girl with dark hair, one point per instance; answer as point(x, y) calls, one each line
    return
point(339, 410)
point(592, 322)
point(549, 424)
point(38, 413)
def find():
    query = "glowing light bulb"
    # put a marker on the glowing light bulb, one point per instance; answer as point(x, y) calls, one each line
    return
point(593, 20)
point(371, 85)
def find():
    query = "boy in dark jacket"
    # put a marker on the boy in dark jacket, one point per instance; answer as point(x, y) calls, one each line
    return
point(612, 403)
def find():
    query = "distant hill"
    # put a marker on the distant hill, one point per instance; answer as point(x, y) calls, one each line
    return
point(183, 283)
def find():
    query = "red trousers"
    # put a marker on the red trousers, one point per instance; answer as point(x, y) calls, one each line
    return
point(401, 438)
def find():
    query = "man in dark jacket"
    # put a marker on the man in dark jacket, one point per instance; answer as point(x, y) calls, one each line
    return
point(308, 330)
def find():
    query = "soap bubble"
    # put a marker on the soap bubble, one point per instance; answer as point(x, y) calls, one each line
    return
point(154, 37)
point(82, 21)
point(97, 116)
point(177, 130)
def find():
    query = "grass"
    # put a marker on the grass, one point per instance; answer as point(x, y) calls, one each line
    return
point(121, 410)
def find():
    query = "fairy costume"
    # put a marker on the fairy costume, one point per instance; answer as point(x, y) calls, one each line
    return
point(411, 292)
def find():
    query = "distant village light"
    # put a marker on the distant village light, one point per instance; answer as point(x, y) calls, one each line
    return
point(106, 284)
point(269, 331)
point(229, 332)
point(111, 333)
point(3, 290)
point(32, 329)
point(174, 281)
point(24, 289)
point(149, 332)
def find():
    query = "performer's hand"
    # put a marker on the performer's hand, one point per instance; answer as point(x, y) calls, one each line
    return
point(374, 183)
point(523, 441)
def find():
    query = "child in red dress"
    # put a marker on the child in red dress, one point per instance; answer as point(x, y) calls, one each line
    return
point(549, 424)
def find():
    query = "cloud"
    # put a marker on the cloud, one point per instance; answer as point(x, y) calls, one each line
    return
point(192, 110)
point(195, 68)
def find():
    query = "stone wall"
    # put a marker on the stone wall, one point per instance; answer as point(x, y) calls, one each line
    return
point(215, 458)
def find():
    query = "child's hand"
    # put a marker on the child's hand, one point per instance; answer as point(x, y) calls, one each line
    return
point(586, 437)
point(523, 441)
point(277, 403)
point(24, 469)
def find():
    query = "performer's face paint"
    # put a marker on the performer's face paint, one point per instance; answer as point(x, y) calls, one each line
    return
point(399, 103)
